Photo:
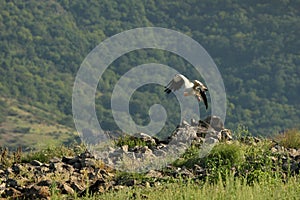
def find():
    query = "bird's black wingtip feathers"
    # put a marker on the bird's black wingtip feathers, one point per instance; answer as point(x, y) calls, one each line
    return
point(203, 95)
point(168, 91)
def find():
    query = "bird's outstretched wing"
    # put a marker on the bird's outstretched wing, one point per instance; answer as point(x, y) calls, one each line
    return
point(177, 82)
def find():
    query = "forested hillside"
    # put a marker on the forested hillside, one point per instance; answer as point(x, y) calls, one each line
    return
point(255, 45)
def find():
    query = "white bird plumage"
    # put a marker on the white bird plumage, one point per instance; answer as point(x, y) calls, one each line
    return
point(195, 88)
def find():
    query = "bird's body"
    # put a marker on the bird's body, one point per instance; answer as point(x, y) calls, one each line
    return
point(195, 88)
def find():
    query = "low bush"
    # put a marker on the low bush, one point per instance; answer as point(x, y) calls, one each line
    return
point(223, 159)
point(131, 142)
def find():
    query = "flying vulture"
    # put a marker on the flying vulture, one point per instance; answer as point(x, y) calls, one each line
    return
point(195, 88)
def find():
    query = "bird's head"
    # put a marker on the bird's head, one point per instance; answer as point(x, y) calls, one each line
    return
point(198, 85)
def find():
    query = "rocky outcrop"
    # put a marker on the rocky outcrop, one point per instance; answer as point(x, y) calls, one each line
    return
point(152, 153)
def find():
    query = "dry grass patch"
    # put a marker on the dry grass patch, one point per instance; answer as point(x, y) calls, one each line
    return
point(289, 139)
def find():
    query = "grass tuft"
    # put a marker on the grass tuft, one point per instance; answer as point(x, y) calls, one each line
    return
point(289, 139)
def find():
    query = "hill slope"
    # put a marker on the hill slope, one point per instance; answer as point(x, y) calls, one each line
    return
point(255, 46)
point(32, 128)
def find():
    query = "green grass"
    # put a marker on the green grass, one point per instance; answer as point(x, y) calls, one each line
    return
point(230, 188)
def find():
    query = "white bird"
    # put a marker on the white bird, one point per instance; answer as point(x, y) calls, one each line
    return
point(195, 88)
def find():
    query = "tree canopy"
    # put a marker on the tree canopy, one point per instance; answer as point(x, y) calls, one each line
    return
point(255, 45)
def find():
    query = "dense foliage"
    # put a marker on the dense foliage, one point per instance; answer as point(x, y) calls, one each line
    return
point(255, 45)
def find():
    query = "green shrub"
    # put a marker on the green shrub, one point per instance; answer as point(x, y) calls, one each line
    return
point(132, 142)
point(226, 154)
point(258, 163)
point(189, 158)
point(223, 159)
